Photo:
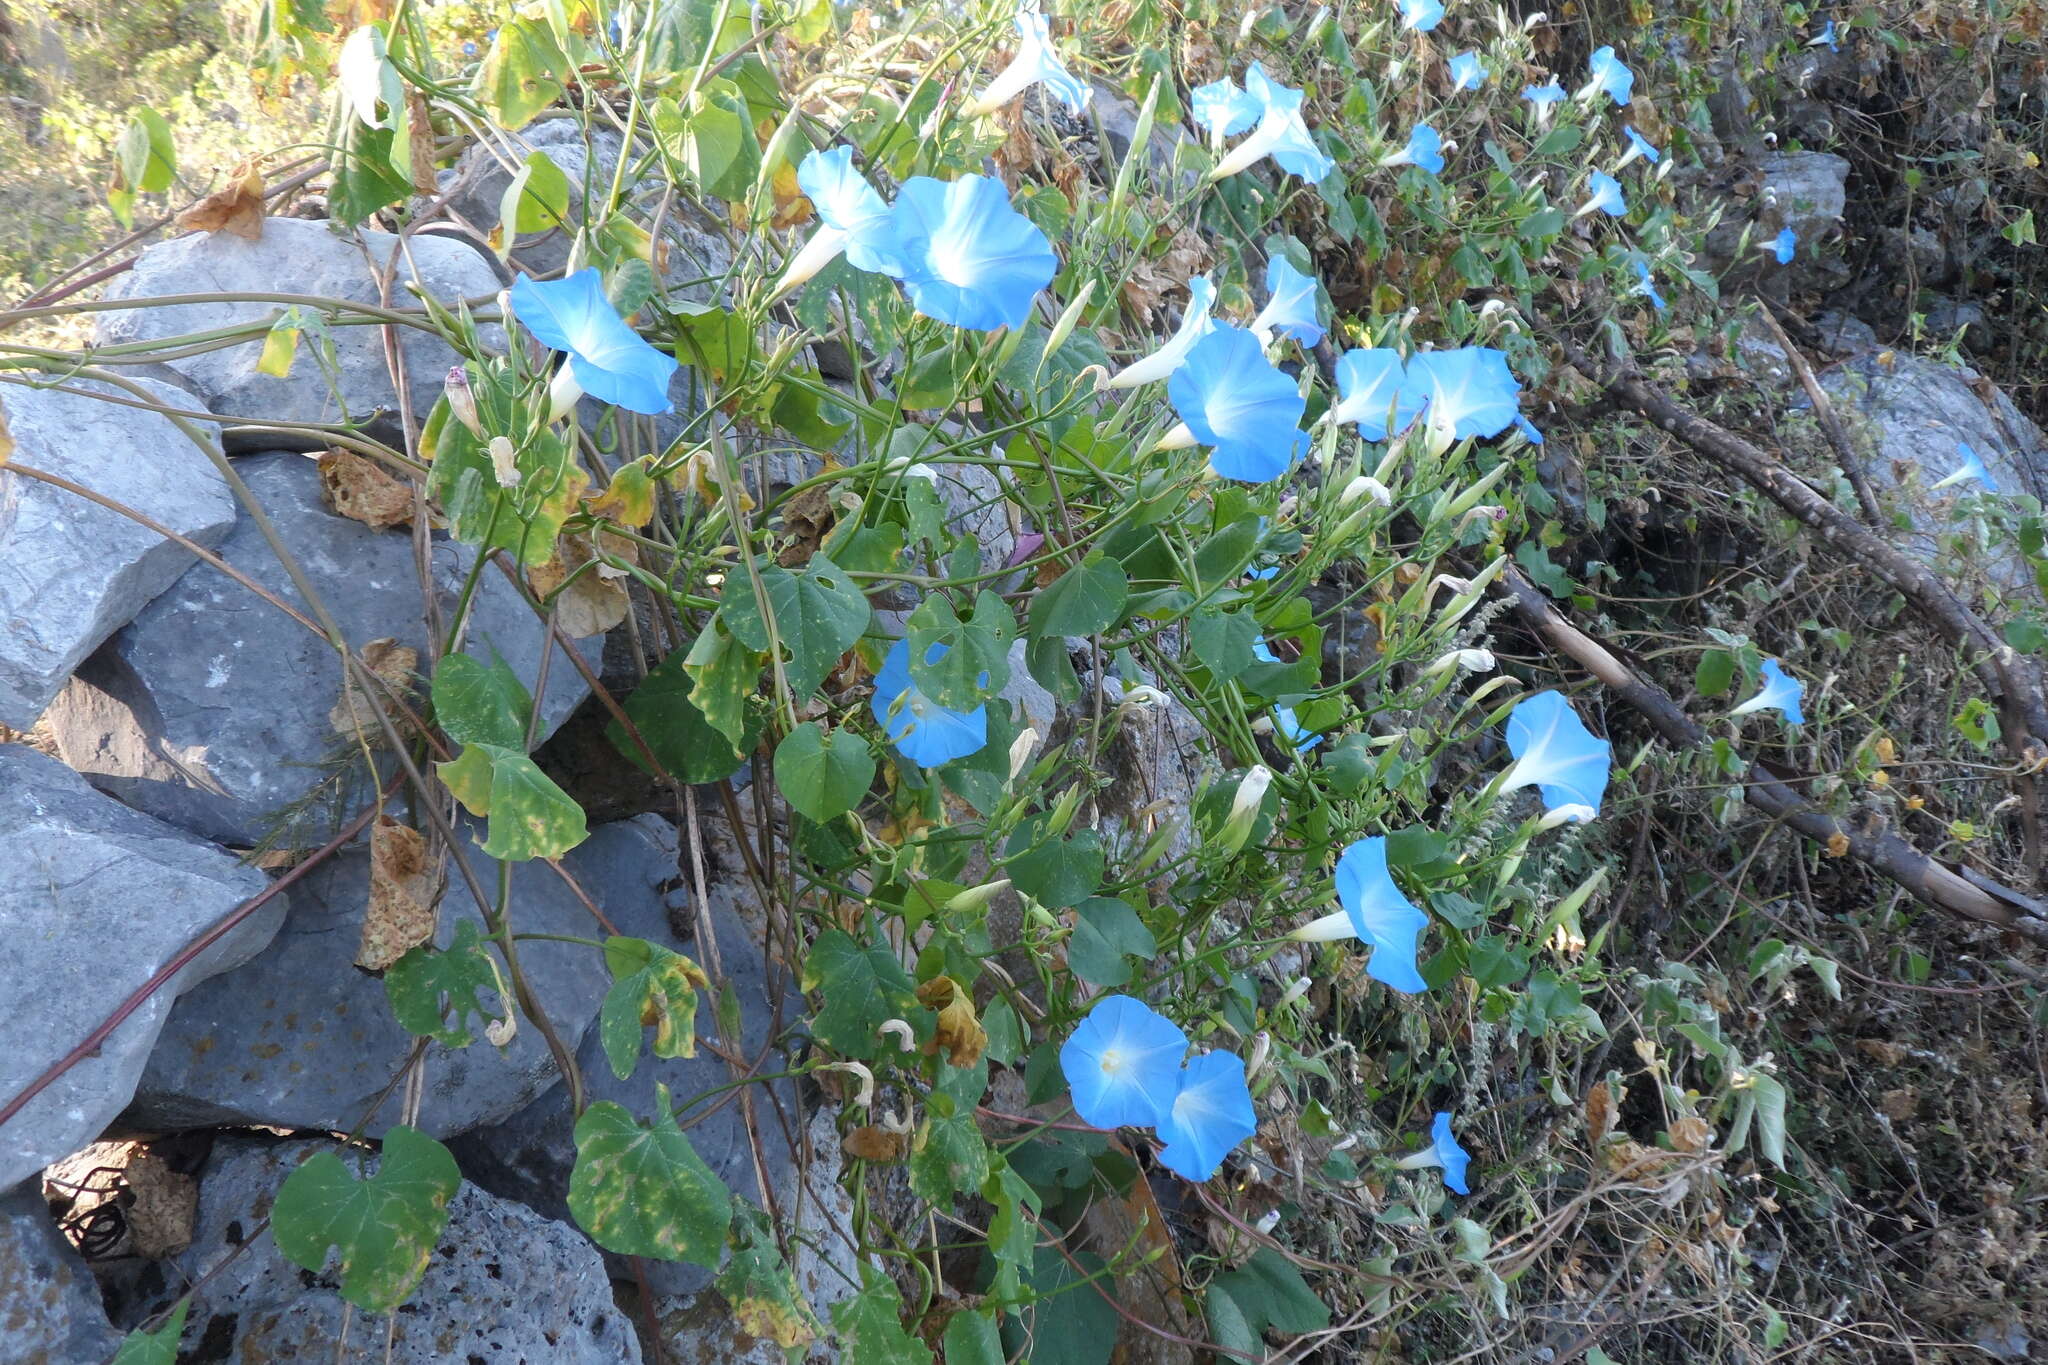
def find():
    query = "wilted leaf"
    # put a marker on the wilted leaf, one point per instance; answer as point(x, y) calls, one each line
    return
point(959, 1031)
point(236, 207)
point(1600, 1110)
point(870, 1143)
point(757, 1283)
point(384, 1227)
point(404, 889)
point(651, 986)
point(1690, 1134)
point(628, 499)
point(592, 602)
point(360, 489)
point(392, 664)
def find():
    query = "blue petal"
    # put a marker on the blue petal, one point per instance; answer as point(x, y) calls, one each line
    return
point(1123, 1064)
point(1240, 404)
point(1223, 108)
point(1421, 15)
point(1528, 429)
point(1289, 726)
point(1470, 390)
point(1262, 651)
point(1293, 149)
point(968, 258)
point(1540, 95)
point(1374, 391)
point(1784, 690)
point(1425, 149)
point(846, 202)
point(1568, 763)
point(1606, 196)
point(1786, 246)
point(1610, 75)
point(1210, 1114)
point(611, 361)
point(1062, 84)
point(1648, 287)
point(923, 731)
point(1466, 72)
point(1453, 1158)
point(1381, 915)
point(1291, 303)
point(1643, 147)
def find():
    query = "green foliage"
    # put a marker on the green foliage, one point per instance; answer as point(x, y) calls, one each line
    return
point(651, 987)
point(144, 1347)
point(433, 990)
point(642, 1190)
point(382, 1228)
point(823, 776)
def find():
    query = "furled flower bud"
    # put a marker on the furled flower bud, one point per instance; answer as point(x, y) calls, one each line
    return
point(504, 462)
point(462, 400)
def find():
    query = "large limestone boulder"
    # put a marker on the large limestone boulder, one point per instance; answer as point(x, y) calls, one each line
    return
point(212, 709)
point(502, 1283)
point(95, 899)
point(50, 1311)
point(304, 257)
point(72, 572)
point(301, 1038)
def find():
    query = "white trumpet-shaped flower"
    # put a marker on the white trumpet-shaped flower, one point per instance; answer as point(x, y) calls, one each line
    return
point(1194, 325)
point(1037, 62)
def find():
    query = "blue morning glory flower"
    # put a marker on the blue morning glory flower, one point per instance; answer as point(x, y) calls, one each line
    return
point(1443, 1151)
point(1375, 911)
point(1528, 429)
point(469, 49)
point(1425, 149)
point(1638, 146)
point(1542, 96)
point(1036, 60)
point(607, 359)
point(1290, 728)
point(1262, 651)
point(1262, 575)
point(1281, 134)
point(1234, 400)
point(923, 731)
point(1290, 305)
point(967, 257)
point(1374, 391)
point(1972, 467)
point(1610, 75)
point(1123, 1064)
point(1780, 691)
point(1556, 753)
point(1606, 196)
point(1471, 391)
point(1826, 38)
point(1786, 246)
point(1210, 1114)
point(851, 218)
point(1223, 108)
point(1194, 325)
point(1421, 15)
point(1648, 287)
point(1466, 72)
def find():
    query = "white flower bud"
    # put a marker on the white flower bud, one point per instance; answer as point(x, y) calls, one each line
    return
point(504, 462)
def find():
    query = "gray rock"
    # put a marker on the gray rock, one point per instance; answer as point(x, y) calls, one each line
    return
point(210, 710)
point(50, 1311)
point(94, 900)
point(1908, 415)
point(699, 1328)
point(1116, 120)
point(1031, 704)
point(1843, 334)
point(503, 1284)
point(529, 1156)
point(299, 256)
point(693, 254)
point(301, 1038)
point(1805, 191)
point(71, 571)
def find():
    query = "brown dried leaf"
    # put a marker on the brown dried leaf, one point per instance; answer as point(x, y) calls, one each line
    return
point(6, 437)
point(237, 207)
point(391, 663)
point(403, 891)
point(1890, 1054)
point(1690, 1134)
point(959, 1032)
point(1899, 1105)
point(419, 124)
point(876, 1144)
point(358, 488)
point(807, 518)
point(592, 603)
point(1600, 1111)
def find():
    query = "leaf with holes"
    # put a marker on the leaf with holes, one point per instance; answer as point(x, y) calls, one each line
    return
point(818, 614)
point(417, 985)
point(383, 1228)
point(642, 1190)
point(974, 663)
point(651, 986)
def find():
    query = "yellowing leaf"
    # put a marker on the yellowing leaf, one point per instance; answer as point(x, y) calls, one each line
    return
point(587, 601)
point(280, 348)
point(6, 437)
point(959, 1031)
point(628, 499)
